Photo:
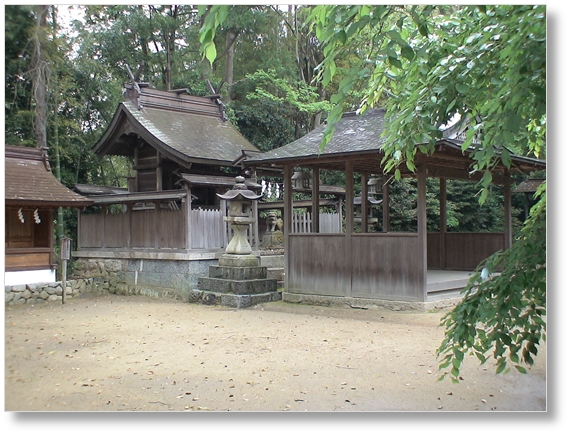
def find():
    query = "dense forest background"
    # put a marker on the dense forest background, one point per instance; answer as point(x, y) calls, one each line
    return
point(264, 69)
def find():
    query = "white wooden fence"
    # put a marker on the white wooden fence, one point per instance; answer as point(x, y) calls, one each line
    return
point(328, 223)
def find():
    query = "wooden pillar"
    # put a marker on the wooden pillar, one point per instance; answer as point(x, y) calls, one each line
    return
point(442, 221)
point(422, 227)
point(364, 203)
point(104, 230)
point(188, 216)
point(158, 172)
point(386, 207)
point(255, 229)
point(287, 217)
point(315, 196)
point(130, 206)
point(349, 175)
point(508, 216)
point(157, 225)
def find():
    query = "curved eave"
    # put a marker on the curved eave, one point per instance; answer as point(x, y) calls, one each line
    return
point(46, 204)
point(108, 143)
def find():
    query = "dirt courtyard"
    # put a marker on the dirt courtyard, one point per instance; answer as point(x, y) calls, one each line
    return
point(135, 353)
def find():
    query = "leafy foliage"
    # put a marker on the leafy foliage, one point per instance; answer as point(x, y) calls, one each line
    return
point(503, 317)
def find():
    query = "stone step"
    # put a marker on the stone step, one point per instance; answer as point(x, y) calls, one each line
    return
point(277, 273)
point(231, 300)
point(238, 273)
point(272, 261)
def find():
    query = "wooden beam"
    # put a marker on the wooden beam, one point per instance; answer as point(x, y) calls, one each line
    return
point(456, 174)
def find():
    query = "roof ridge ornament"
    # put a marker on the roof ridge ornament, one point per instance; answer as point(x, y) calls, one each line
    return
point(136, 85)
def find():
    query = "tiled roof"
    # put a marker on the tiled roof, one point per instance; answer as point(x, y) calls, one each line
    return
point(29, 182)
point(530, 185)
point(186, 129)
point(352, 134)
point(360, 136)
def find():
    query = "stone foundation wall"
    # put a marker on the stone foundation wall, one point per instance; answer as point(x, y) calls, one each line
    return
point(52, 291)
point(362, 303)
point(167, 278)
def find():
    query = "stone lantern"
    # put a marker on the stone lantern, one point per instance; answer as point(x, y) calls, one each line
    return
point(358, 211)
point(375, 184)
point(239, 280)
point(301, 180)
point(239, 217)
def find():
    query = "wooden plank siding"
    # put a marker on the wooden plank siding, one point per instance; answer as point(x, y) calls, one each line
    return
point(146, 229)
point(152, 229)
point(387, 266)
point(461, 251)
point(28, 259)
point(317, 265)
point(383, 266)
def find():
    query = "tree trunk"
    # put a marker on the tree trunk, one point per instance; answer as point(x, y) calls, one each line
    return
point(40, 71)
point(229, 79)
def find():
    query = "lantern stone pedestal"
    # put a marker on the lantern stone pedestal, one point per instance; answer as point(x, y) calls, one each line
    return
point(239, 280)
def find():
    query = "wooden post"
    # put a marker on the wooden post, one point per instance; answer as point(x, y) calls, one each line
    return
point(442, 221)
point(508, 216)
point(255, 225)
point(349, 171)
point(157, 225)
point(287, 218)
point(422, 226)
point(130, 206)
point(188, 216)
point(364, 203)
point(349, 175)
point(316, 224)
point(158, 172)
point(385, 207)
point(103, 230)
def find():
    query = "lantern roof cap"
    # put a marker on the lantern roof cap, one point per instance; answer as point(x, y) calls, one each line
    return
point(240, 190)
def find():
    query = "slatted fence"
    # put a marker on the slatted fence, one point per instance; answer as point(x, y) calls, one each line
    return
point(207, 229)
point(328, 223)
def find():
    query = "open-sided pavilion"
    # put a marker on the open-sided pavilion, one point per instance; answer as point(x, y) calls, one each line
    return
point(382, 266)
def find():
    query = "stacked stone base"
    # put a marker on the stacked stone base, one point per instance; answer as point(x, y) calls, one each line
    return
point(207, 297)
point(238, 282)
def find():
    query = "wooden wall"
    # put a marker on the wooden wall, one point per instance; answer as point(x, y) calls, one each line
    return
point(376, 266)
point(461, 251)
point(151, 229)
point(148, 229)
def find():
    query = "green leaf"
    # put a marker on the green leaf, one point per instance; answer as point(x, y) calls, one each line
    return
point(394, 61)
point(487, 178)
point(408, 52)
point(520, 369)
point(462, 88)
point(211, 52)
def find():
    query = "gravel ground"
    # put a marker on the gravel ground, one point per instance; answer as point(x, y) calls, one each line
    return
point(141, 354)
